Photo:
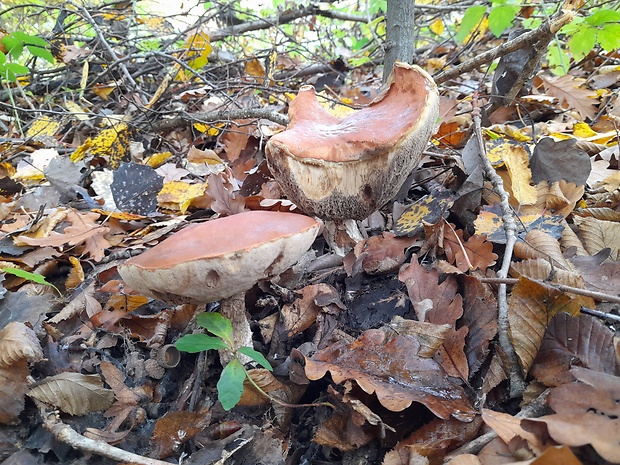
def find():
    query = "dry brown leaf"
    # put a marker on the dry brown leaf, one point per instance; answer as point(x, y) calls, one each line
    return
point(433, 440)
point(391, 368)
point(18, 342)
point(225, 200)
point(378, 254)
point(508, 427)
point(570, 239)
point(598, 235)
point(587, 412)
point(429, 335)
point(13, 388)
point(539, 244)
point(568, 91)
point(73, 393)
point(580, 340)
point(531, 307)
point(83, 230)
point(175, 429)
point(480, 317)
point(541, 270)
point(474, 254)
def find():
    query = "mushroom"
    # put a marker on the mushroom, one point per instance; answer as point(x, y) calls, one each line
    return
point(220, 260)
point(346, 168)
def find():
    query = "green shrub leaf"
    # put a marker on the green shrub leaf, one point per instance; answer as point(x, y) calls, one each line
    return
point(500, 18)
point(256, 356)
point(35, 278)
point(230, 384)
point(198, 342)
point(216, 324)
point(471, 19)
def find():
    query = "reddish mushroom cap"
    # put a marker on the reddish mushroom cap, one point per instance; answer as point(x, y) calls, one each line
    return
point(220, 258)
point(341, 168)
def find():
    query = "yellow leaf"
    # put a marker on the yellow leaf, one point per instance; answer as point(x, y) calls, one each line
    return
point(103, 91)
point(582, 130)
point(157, 159)
point(112, 144)
point(437, 27)
point(255, 68)
point(516, 160)
point(76, 110)
point(201, 127)
point(44, 126)
point(178, 195)
point(199, 49)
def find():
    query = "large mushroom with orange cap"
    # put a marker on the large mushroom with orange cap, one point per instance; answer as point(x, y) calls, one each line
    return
point(220, 260)
point(347, 168)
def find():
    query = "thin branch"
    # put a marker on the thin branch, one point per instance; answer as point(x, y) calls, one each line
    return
point(67, 435)
point(524, 40)
point(517, 384)
point(560, 287)
point(221, 115)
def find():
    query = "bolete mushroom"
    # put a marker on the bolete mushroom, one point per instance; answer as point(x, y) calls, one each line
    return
point(220, 260)
point(346, 168)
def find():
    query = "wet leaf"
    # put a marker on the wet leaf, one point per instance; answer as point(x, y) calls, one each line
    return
point(135, 188)
point(391, 368)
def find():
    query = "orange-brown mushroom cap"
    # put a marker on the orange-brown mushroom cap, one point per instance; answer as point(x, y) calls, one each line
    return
point(220, 258)
point(341, 168)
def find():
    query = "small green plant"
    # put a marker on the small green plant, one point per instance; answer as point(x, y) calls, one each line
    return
point(230, 384)
point(14, 44)
point(34, 277)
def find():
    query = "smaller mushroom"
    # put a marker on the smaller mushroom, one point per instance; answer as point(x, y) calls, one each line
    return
point(220, 260)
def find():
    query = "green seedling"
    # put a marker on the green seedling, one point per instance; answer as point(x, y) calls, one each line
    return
point(230, 384)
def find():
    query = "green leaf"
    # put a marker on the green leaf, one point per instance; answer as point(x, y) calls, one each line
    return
point(609, 37)
point(37, 42)
point(14, 46)
point(41, 53)
point(216, 324)
point(500, 18)
point(582, 42)
point(230, 384)
point(470, 21)
point(198, 342)
point(603, 16)
point(558, 59)
point(36, 278)
point(2, 58)
point(256, 356)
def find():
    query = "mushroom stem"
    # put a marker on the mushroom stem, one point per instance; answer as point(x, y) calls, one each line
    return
point(342, 235)
point(233, 308)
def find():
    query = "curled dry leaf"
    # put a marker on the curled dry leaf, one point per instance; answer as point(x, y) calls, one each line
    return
point(392, 369)
point(18, 342)
point(598, 235)
point(587, 412)
point(580, 340)
point(13, 388)
point(539, 244)
point(434, 440)
point(531, 307)
point(73, 393)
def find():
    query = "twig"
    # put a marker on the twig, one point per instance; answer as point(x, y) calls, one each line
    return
point(107, 46)
point(517, 384)
point(221, 115)
point(608, 316)
point(528, 39)
point(560, 287)
point(534, 410)
point(67, 435)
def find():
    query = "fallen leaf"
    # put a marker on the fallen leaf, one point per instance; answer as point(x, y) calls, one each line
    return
point(391, 368)
point(73, 393)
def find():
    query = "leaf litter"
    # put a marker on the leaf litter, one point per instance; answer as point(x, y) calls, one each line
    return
point(394, 344)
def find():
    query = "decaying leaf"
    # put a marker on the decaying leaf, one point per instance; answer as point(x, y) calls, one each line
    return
point(531, 307)
point(13, 388)
point(569, 341)
point(18, 342)
point(73, 393)
point(391, 368)
point(587, 412)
